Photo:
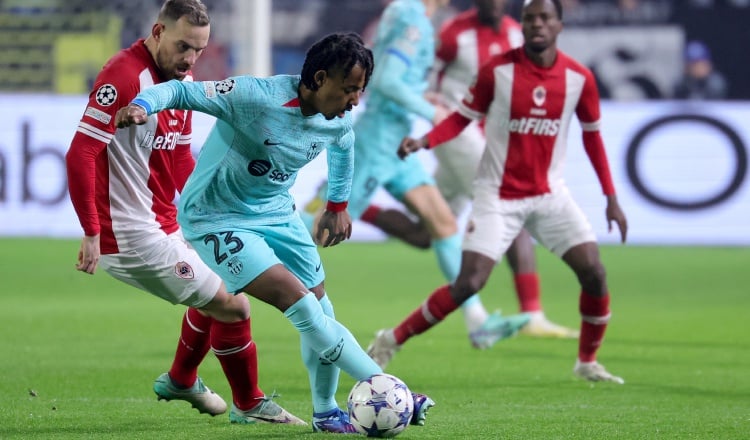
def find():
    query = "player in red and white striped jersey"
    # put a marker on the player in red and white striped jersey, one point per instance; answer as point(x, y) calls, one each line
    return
point(123, 183)
point(528, 96)
point(466, 42)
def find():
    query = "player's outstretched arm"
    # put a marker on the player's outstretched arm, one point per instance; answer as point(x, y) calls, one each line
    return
point(615, 214)
point(410, 145)
point(132, 114)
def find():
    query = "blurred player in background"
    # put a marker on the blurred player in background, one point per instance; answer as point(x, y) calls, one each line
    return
point(122, 184)
point(237, 212)
point(404, 51)
point(528, 96)
point(465, 43)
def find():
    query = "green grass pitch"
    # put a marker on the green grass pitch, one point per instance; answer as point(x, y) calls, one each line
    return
point(78, 354)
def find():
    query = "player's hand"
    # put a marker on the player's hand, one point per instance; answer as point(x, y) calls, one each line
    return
point(132, 114)
point(88, 255)
point(614, 214)
point(410, 145)
point(333, 228)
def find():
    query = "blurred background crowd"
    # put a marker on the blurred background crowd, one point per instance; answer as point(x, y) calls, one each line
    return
point(638, 49)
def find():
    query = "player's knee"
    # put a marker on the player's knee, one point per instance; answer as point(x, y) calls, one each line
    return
point(593, 278)
point(226, 307)
point(467, 285)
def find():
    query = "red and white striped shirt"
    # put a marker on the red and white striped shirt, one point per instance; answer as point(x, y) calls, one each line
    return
point(465, 43)
point(123, 182)
point(528, 110)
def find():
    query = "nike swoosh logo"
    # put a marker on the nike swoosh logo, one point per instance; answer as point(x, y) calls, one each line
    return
point(317, 268)
point(334, 354)
point(272, 420)
point(269, 143)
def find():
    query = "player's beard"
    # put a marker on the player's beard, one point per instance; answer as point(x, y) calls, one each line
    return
point(168, 69)
point(537, 47)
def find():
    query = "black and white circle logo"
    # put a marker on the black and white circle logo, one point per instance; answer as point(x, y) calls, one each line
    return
point(636, 166)
point(106, 95)
point(259, 167)
point(225, 86)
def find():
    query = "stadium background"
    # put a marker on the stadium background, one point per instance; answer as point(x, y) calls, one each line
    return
point(680, 167)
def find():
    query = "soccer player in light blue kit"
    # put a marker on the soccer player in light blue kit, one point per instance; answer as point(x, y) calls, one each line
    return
point(404, 51)
point(237, 212)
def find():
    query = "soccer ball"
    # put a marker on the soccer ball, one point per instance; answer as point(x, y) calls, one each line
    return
point(380, 406)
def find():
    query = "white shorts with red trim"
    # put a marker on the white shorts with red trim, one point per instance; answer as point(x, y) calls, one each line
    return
point(554, 220)
point(169, 269)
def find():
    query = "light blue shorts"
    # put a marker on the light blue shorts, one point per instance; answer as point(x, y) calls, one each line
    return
point(239, 256)
point(376, 164)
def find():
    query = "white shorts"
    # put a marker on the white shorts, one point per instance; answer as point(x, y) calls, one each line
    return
point(169, 269)
point(554, 220)
point(458, 160)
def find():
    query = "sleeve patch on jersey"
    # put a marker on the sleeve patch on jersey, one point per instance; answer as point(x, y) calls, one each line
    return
point(106, 95)
point(97, 114)
point(209, 88)
point(225, 86)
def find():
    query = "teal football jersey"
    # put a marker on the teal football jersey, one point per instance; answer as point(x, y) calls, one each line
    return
point(406, 32)
point(252, 155)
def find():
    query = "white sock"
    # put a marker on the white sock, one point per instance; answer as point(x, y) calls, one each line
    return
point(474, 315)
point(537, 316)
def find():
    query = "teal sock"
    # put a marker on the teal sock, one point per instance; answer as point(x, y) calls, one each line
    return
point(324, 375)
point(448, 252)
point(329, 339)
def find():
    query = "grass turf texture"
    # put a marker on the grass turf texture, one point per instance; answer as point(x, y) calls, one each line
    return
point(80, 353)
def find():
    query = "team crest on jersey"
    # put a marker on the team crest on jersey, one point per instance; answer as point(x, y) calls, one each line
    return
point(539, 95)
point(183, 270)
point(225, 86)
point(313, 151)
point(106, 95)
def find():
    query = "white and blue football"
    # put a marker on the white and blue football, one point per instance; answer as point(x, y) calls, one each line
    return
point(380, 406)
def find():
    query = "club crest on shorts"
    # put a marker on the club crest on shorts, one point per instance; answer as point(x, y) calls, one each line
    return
point(183, 270)
point(235, 266)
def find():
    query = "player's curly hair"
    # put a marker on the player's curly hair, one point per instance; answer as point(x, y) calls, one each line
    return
point(337, 51)
point(195, 11)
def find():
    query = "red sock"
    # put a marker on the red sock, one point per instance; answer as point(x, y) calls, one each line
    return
point(527, 290)
point(370, 214)
point(594, 317)
point(191, 349)
point(233, 346)
point(432, 311)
